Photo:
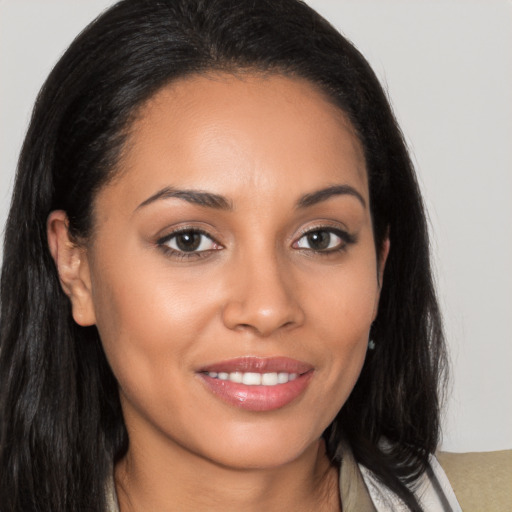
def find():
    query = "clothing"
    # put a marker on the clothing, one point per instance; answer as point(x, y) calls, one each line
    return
point(361, 491)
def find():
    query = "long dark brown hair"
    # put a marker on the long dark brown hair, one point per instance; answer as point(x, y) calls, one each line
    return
point(61, 424)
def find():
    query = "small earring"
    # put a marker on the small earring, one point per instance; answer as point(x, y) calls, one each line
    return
point(371, 345)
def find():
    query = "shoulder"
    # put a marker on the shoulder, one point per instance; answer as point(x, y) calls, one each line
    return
point(480, 480)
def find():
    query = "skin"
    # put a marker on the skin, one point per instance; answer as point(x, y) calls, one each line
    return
point(260, 289)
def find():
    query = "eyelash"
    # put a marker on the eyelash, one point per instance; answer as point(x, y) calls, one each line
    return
point(162, 243)
point(345, 238)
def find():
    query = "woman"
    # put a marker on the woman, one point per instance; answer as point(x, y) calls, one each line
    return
point(216, 289)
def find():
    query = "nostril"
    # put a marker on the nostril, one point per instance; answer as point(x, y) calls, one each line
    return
point(263, 306)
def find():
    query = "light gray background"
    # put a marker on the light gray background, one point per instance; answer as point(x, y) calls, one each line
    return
point(447, 66)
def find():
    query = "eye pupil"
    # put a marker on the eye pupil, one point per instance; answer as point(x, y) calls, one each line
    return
point(319, 240)
point(188, 242)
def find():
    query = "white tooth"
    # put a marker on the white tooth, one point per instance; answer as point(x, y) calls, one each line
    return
point(282, 378)
point(292, 376)
point(269, 379)
point(223, 376)
point(212, 374)
point(236, 376)
point(251, 379)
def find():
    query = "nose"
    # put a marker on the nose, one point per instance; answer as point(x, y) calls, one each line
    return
point(262, 298)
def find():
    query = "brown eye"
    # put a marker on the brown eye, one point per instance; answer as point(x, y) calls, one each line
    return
point(189, 241)
point(319, 240)
point(324, 240)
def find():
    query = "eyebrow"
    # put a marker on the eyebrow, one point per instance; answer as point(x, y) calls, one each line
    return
point(326, 193)
point(199, 197)
point(218, 202)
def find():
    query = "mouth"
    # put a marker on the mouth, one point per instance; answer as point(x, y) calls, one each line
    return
point(255, 379)
point(257, 384)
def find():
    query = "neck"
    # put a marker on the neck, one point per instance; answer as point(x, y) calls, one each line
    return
point(147, 480)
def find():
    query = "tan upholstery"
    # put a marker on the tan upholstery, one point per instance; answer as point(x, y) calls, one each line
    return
point(482, 481)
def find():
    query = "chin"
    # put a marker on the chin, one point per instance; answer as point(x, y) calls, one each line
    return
point(261, 447)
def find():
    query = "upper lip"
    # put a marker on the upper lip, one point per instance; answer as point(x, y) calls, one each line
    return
point(259, 365)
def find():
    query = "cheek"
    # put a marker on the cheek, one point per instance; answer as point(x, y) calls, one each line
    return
point(342, 317)
point(344, 301)
point(148, 320)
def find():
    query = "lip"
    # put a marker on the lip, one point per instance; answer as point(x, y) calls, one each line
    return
point(259, 365)
point(258, 398)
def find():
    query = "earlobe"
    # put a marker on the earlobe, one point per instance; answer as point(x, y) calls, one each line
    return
point(73, 268)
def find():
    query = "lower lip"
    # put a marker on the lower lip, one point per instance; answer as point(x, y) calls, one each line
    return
point(258, 398)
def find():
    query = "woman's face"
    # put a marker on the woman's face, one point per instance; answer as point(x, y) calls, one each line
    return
point(233, 276)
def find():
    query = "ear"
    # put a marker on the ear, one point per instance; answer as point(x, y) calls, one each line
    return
point(381, 265)
point(73, 268)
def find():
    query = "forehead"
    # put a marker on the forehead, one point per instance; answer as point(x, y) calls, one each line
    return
point(226, 133)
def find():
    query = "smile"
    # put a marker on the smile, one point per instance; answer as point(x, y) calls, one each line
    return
point(257, 384)
point(255, 379)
